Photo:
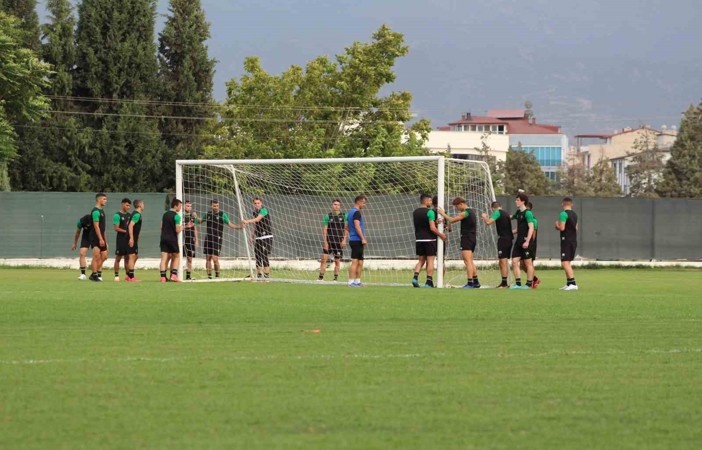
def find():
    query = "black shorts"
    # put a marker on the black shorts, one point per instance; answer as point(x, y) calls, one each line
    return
point(523, 253)
point(95, 242)
point(568, 250)
point(468, 243)
point(85, 240)
point(169, 247)
point(426, 248)
point(356, 250)
point(335, 249)
point(213, 245)
point(133, 250)
point(504, 247)
point(122, 248)
point(189, 248)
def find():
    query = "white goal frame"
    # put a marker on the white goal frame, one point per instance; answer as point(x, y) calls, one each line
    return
point(440, 187)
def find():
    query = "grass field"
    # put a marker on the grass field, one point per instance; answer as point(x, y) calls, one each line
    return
point(616, 365)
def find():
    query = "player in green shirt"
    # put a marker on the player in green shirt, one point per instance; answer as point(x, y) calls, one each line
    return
point(537, 280)
point(170, 249)
point(523, 245)
point(134, 232)
point(120, 220)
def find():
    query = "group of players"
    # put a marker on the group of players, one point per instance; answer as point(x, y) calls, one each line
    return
point(521, 250)
point(338, 229)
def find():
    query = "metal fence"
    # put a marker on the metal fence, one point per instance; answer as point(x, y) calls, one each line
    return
point(41, 225)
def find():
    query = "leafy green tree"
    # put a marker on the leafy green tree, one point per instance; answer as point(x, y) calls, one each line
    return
point(22, 77)
point(26, 12)
point(186, 73)
point(496, 169)
point(331, 108)
point(522, 171)
point(51, 154)
point(603, 181)
point(117, 71)
point(682, 175)
point(573, 180)
point(646, 167)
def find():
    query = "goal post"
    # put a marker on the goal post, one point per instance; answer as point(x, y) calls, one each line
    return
point(298, 194)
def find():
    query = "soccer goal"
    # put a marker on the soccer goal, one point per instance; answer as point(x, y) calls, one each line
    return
point(297, 194)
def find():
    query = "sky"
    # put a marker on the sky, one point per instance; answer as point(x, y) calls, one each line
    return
point(587, 65)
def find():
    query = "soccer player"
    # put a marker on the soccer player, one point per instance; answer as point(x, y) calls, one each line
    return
point(263, 237)
point(357, 239)
point(97, 237)
point(84, 224)
point(191, 240)
point(121, 223)
point(537, 280)
point(523, 245)
point(503, 225)
point(133, 244)
point(425, 233)
point(469, 238)
point(170, 228)
point(215, 219)
point(334, 233)
point(567, 224)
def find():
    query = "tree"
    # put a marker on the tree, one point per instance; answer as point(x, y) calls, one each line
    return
point(329, 108)
point(22, 77)
point(573, 180)
point(185, 73)
point(522, 171)
point(117, 72)
point(603, 181)
point(682, 175)
point(496, 168)
point(51, 154)
point(646, 166)
point(26, 12)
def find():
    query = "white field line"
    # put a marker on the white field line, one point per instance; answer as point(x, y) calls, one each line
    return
point(359, 356)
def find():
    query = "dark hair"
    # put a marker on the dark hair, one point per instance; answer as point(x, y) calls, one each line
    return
point(257, 198)
point(458, 200)
point(496, 205)
point(423, 197)
point(126, 200)
point(529, 205)
point(138, 202)
point(336, 200)
point(359, 198)
point(187, 202)
point(523, 197)
point(435, 200)
point(568, 200)
point(175, 202)
point(213, 201)
point(97, 196)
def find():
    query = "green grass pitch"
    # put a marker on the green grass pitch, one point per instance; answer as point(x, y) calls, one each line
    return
point(616, 365)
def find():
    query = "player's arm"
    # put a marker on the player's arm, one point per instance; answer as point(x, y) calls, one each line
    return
point(96, 227)
point(450, 219)
point(232, 225)
point(491, 219)
point(178, 223)
point(357, 226)
point(431, 215)
point(76, 235)
point(115, 222)
point(263, 213)
point(530, 233)
point(561, 222)
point(131, 233)
point(197, 236)
point(325, 231)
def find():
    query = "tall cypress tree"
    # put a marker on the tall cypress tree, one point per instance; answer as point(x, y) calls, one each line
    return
point(117, 72)
point(26, 11)
point(682, 175)
point(186, 73)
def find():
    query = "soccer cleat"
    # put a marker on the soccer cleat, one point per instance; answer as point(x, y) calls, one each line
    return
point(99, 278)
point(564, 287)
point(175, 278)
point(468, 286)
point(536, 283)
point(82, 277)
point(133, 280)
point(427, 285)
point(415, 282)
point(117, 279)
point(476, 286)
point(514, 286)
point(163, 280)
point(503, 286)
point(572, 287)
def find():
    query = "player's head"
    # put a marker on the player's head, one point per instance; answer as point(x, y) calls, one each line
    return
point(258, 203)
point(567, 203)
point(336, 205)
point(187, 206)
point(495, 206)
point(460, 203)
point(126, 204)
point(360, 201)
point(521, 200)
point(435, 201)
point(214, 203)
point(139, 204)
point(176, 205)
point(101, 199)
point(425, 199)
point(529, 206)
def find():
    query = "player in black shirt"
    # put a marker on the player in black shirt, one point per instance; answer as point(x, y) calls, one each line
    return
point(190, 238)
point(121, 223)
point(263, 237)
point(567, 224)
point(334, 233)
point(503, 225)
point(535, 245)
point(425, 235)
point(523, 246)
point(170, 228)
point(97, 237)
point(134, 231)
point(84, 225)
point(215, 220)
point(469, 238)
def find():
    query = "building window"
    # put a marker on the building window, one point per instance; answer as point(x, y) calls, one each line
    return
point(546, 156)
point(467, 156)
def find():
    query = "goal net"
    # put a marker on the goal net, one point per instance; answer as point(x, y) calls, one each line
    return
point(298, 194)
